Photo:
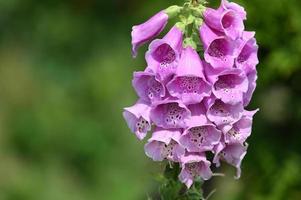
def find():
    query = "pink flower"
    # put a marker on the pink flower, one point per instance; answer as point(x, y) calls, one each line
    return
point(247, 58)
point(163, 54)
point(138, 118)
point(189, 83)
point(200, 138)
point(220, 50)
point(147, 31)
point(221, 113)
point(240, 130)
point(201, 135)
point(193, 166)
point(229, 86)
point(148, 87)
point(233, 154)
point(164, 144)
point(228, 18)
point(170, 114)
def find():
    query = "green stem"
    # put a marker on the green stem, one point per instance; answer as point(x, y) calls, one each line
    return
point(173, 189)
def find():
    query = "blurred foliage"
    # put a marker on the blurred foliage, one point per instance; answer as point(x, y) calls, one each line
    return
point(65, 75)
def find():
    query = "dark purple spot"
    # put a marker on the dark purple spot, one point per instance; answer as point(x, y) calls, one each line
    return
point(164, 54)
point(228, 19)
point(219, 48)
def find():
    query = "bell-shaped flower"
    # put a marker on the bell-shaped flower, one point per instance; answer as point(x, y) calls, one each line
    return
point(164, 144)
point(240, 130)
point(226, 5)
point(148, 86)
point(229, 86)
point(228, 18)
point(220, 50)
point(201, 135)
point(189, 83)
point(247, 57)
point(252, 78)
point(163, 54)
point(138, 118)
point(194, 166)
point(147, 31)
point(170, 113)
point(233, 154)
point(221, 113)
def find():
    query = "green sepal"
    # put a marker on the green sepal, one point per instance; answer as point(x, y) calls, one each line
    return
point(190, 42)
point(198, 23)
point(173, 11)
point(172, 171)
point(181, 26)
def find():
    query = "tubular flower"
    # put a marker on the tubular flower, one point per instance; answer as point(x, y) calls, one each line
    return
point(164, 144)
point(233, 154)
point(170, 114)
point(229, 86)
point(147, 31)
point(189, 83)
point(228, 18)
point(148, 87)
point(194, 91)
point(240, 130)
point(221, 113)
point(138, 118)
point(163, 54)
point(247, 55)
point(219, 50)
point(200, 135)
point(193, 166)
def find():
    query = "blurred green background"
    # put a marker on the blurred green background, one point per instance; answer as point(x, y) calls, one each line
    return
point(65, 75)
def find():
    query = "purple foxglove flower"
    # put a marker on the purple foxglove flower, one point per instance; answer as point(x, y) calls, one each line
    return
point(200, 138)
point(221, 113)
point(252, 78)
point(233, 154)
point(164, 144)
point(229, 86)
point(193, 166)
point(220, 51)
point(201, 135)
point(247, 61)
point(170, 114)
point(147, 31)
point(163, 54)
point(189, 84)
point(240, 130)
point(227, 19)
point(148, 87)
point(138, 118)
point(247, 58)
point(225, 5)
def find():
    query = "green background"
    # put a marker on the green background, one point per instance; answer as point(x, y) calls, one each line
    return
point(65, 75)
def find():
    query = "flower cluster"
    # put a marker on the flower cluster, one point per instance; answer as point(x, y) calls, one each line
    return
point(194, 102)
